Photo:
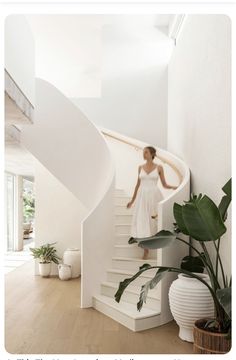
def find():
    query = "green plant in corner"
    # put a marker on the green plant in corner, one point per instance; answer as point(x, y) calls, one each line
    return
point(46, 254)
point(201, 219)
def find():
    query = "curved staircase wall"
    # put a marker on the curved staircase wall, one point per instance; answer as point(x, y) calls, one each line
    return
point(76, 153)
point(68, 144)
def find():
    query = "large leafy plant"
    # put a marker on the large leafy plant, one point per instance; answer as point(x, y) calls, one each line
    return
point(46, 254)
point(200, 219)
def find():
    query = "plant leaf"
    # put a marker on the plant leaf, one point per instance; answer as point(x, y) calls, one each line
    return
point(123, 284)
point(224, 297)
point(193, 264)
point(160, 240)
point(203, 219)
point(150, 285)
point(226, 199)
point(179, 218)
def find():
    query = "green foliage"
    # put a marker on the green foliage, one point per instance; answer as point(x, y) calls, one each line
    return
point(28, 206)
point(200, 218)
point(46, 254)
point(226, 200)
point(193, 263)
point(158, 241)
point(203, 220)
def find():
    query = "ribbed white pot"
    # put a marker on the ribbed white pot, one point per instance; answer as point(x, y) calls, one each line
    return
point(190, 300)
point(73, 257)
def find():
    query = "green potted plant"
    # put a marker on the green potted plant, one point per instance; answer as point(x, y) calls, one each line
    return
point(204, 221)
point(46, 254)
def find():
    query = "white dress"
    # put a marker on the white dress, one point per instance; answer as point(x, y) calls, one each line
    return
point(145, 206)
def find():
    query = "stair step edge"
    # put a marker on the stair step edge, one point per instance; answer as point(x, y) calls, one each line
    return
point(127, 308)
point(120, 258)
point(127, 272)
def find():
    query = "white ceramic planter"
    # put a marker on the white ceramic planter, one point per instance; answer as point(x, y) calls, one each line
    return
point(190, 300)
point(64, 271)
point(73, 257)
point(44, 269)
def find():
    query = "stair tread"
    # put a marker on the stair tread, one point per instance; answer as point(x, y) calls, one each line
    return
point(154, 261)
point(122, 224)
point(134, 289)
point(128, 272)
point(127, 308)
point(122, 235)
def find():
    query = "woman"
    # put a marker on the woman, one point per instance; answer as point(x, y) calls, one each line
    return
point(144, 220)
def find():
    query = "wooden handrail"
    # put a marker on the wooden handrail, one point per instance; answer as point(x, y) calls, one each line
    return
point(138, 147)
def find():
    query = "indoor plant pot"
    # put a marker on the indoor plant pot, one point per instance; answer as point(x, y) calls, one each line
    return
point(202, 220)
point(44, 269)
point(46, 254)
point(189, 300)
point(208, 342)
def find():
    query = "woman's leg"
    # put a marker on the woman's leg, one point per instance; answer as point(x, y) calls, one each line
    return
point(145, 254)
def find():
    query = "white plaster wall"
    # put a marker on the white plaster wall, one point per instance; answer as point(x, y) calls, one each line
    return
point(58, 213)
point(19, 54)
point(199, 118)
point(134, 84)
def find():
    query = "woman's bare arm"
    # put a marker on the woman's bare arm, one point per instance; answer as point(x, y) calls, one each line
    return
point(163, 180)
point(135, 190)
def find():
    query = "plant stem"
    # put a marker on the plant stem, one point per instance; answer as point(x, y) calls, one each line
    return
point(210, 270)
point(218, 260)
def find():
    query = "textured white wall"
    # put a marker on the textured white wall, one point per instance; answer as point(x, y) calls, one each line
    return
point(199, 118)
point(58, 213)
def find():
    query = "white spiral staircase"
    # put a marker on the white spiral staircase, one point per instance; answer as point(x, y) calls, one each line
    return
point(62, 139)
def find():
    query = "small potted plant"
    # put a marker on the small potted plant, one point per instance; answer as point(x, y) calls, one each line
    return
point(202, 220)
point(46, 254)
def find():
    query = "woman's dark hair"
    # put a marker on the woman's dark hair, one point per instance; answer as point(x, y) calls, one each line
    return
point(152, 150)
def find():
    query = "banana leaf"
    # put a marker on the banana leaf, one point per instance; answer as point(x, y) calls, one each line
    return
point(160, 240)
point(202, 219)
point(224, 297)
point(178, 214)
point(226, 200)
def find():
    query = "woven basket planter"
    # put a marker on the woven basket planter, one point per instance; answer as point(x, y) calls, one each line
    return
point(208, 342)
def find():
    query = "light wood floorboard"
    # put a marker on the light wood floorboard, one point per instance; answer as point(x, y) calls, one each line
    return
point(43, 316)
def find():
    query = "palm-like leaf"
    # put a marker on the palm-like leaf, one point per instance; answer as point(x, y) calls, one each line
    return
point(224, 297)
point(158, 241)
point(226, 200)
point(201, 218)
point(46, 253)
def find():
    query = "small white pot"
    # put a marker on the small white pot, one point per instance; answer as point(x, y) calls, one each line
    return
point(190, 300)
point(64, 271)
point(44, 269)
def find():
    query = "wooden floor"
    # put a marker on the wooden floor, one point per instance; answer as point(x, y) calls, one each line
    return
point(43, 316)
